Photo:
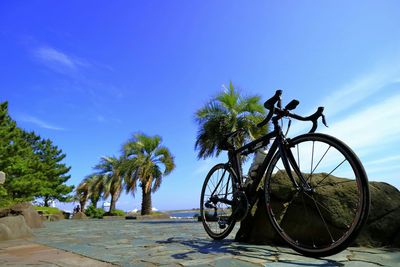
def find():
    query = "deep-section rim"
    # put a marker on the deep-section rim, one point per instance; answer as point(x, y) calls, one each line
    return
point(365, 199)
point(202, 214)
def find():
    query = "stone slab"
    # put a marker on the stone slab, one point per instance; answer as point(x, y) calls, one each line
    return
point(181, 243)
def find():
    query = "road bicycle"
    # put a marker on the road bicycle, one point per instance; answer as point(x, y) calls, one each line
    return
point(314, 186)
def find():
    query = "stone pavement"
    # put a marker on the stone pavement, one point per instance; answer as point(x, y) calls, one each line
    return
point(26, 253)
point(182, 243)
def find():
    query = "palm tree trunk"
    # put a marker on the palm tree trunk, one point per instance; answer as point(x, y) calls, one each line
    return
point(114, 198)
point(146, 201)
point(113, 203)
point(82, 204)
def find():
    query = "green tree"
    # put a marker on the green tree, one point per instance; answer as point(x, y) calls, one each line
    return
point(96, 189)
point(17, 160)
point(53, 171)
point(112, 173)
point(33, 165)
point(146, 162)
point(82, 192)
point(225, 113)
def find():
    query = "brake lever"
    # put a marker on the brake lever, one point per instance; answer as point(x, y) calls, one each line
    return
point(324, 120)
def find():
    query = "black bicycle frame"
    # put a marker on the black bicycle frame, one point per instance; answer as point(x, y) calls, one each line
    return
point(280, 144)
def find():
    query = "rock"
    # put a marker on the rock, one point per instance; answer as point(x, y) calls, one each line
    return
point(79, 216)
point(56, 217)
point(31, 216)
point(382, 228)
point(14, 227)
point(5, 212)
point(383, 224)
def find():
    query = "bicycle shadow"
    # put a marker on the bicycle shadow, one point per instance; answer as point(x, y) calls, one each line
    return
point(228, 246)
point(206, 246)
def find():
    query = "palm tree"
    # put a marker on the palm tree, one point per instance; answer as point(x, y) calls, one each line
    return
point(225, 113)
point(110, 172)
point(92, 188)
point(147, 162)
point(82, 192)
point(96, 188)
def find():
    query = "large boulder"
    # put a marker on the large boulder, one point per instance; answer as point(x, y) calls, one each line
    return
point(79, 216)
point(383, 224)
point(32, 217)
point(14, 227)
point(382, 228)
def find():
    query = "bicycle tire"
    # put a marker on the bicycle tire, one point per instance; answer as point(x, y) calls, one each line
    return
point(220, 220)
point(307, 234)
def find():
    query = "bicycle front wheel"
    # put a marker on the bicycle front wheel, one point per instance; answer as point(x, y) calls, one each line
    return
point(322, 213)
point(216, 202)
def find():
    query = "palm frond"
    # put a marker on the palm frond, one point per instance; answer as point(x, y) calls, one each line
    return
point(229, 112)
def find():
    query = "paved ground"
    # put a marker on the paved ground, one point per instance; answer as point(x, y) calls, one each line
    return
point(27, 253)
point(170, 243)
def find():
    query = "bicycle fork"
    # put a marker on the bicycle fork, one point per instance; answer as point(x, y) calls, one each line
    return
point(289, 162)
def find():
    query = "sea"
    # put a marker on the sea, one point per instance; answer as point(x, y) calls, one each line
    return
point(183, 215)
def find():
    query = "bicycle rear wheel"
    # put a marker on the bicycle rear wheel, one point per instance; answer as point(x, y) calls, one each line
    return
point(216, 202)
point(322, 217)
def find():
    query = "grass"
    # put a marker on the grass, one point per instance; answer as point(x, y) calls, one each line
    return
point(47, 210)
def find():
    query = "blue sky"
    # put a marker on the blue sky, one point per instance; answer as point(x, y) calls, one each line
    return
point(90, 74)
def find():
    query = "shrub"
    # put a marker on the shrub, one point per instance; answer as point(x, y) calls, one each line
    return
point(93, 212)
point(118, 213)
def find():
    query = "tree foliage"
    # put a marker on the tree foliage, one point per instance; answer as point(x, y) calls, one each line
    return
point(225, 113)
point(146, 163)
point(111, 172)
point(33, 165)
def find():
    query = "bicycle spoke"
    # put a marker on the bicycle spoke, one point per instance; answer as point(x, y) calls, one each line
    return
point(224, 185)
point(283, 213)
point(312, 158)
point(316, 166)
point(325, 208)
point(298, 157)
point(343, 182)
point(306, 210)
point(279, 170)
point(323, 220)
point(331, 172)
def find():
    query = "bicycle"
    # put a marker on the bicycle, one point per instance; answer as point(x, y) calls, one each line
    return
point(292, 180)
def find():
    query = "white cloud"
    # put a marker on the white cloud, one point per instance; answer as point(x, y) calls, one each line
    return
point(374, 126)
point(57, 60)
point(383, 160)
point(360, 89)
point(39, 122)
point(371, 132)
point(365, 114)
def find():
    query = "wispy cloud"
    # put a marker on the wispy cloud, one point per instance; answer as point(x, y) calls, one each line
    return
point(204, 166)
point(57, 60)
point(39, 122)
point(365, 115)
point(361, 88)
point(376, 125)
